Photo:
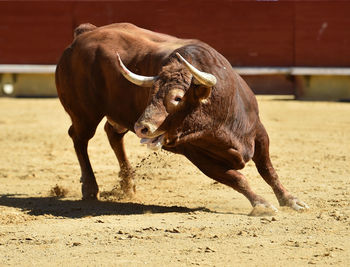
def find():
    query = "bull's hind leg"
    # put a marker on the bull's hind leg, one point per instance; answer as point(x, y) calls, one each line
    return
point(116, 139)
point(266, 170)
point(81, 134)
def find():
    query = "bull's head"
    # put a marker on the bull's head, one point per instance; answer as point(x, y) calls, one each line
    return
point(176, 92)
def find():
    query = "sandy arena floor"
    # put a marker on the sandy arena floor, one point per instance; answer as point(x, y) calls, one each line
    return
point(179, 217)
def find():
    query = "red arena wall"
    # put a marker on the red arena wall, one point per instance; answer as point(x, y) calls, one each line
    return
point(248, 33)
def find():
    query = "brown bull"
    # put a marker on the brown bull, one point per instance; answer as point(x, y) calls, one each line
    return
point(185, 98)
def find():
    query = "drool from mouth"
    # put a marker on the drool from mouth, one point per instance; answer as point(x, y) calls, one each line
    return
point(153, 143)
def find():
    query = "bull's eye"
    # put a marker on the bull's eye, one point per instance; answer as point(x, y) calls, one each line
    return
point(173, 99)
point(178, 99)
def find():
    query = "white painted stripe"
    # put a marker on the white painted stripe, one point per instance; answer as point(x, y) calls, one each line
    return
point(9, 68)
point(262, 70)
point(12, 68)
point(320, 71)
point(292, 71)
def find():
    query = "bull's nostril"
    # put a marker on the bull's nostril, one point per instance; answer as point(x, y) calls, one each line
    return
point(144, 130)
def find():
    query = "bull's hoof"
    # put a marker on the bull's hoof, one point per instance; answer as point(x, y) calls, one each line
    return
point(294, 203)
point(90, 197)
point(263, 209)
point(89, 192)
point(128, 187)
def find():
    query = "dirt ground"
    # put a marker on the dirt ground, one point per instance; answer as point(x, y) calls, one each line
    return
point(179, 217)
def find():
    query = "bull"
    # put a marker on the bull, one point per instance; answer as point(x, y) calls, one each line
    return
point(178, 94)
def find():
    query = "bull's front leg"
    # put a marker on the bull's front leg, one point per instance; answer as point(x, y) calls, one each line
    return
point(266, 170)
point(115, 135)
point(284, 197)
point(220, 172)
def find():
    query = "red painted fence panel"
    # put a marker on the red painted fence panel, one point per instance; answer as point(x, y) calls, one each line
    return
point(34, 32)
point(247, 32)
point(322, 34)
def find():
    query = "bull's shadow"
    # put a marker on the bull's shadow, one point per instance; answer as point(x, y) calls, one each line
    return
point(77, 208)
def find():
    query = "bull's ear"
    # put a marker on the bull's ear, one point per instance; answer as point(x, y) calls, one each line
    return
point(202, 93)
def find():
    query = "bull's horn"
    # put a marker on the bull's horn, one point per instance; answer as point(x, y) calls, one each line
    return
point(204, 78)
point(144, 81)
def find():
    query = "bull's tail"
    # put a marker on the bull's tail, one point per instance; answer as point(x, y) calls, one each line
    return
point(86, 27)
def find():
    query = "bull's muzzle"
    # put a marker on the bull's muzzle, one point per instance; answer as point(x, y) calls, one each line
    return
point(149, 135)
point(145, 130)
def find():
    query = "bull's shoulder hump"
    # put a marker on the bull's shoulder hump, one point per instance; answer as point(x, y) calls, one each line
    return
point(126, 36)
point(121, 25)
point(128, 30)
point(82, 28)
